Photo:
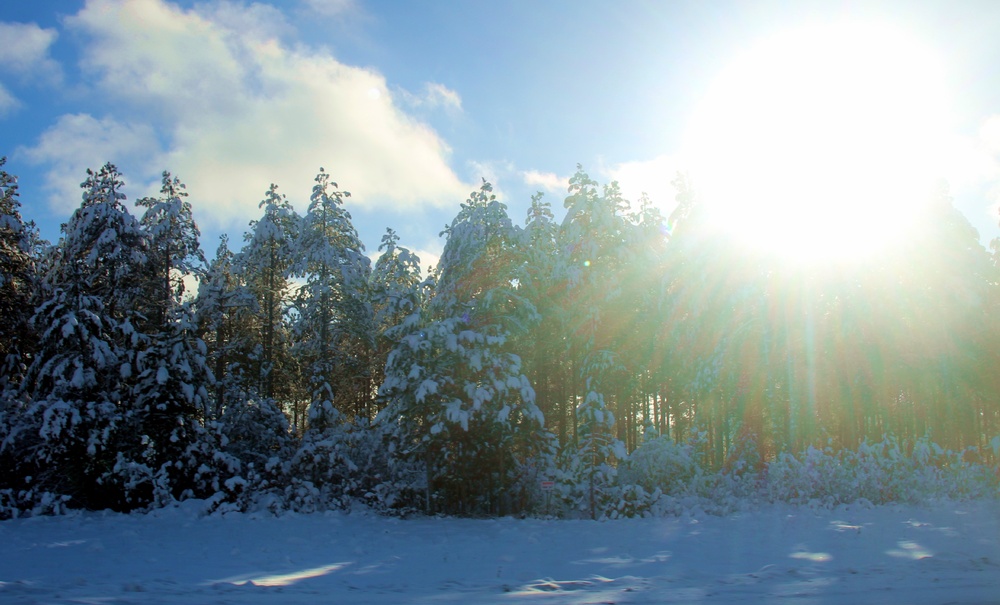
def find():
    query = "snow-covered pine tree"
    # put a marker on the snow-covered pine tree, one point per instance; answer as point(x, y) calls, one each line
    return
point(224, 311)
point(18, 282)
point(545, 345)
point(457, 399)
point(590, 471)
point(264, 264)
point(18, 285)
point(256, 431)
point(85, 323)
point(334, 342)
point(174, 249)
point(164, 451)
point(594, 239)
point(334, 336)
point(104, 248)
point(163, 448)
point(395, 294)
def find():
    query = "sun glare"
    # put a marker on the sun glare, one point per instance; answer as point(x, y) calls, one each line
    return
point(823, 141)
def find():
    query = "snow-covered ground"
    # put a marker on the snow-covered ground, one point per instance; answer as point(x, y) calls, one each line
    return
point(946, 553)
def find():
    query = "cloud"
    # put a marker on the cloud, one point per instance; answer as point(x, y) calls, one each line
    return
point(433, 96)
point(8, 102)
point(255, 21)
point(25, 51)
point(238, 111)
point(80, 141)
point(25, 55)
point(989, 133)
point(430, 257)
point(548, 181)
point(331, 8)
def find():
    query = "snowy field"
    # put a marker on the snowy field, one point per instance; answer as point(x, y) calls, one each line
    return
point(946, 553)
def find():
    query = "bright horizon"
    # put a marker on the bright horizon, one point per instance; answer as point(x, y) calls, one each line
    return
point(409, 107)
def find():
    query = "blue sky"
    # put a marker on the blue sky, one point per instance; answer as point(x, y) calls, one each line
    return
point(409, 104)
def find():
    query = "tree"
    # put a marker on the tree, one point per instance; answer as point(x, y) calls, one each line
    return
point(224, 311)
point(395, 294)
point(76, 381)
point(457, 398)
point(163, 450)
point(104, 248)
point(265, 264)
point(546, 346)
point(333, 315)
point(174, 249)
point(18, 282)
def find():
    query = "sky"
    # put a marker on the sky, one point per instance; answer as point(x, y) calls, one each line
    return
point(409, 105)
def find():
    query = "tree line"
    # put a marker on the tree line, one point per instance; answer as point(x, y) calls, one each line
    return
point(544, 349)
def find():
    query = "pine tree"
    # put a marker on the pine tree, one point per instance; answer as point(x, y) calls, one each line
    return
point(104, 248)
point(18, 282)
point(457, 398)
point(224, 309)
point(163, 449)
point(395, 294)
point(84, 319)
point(333, 319)
point(265, 264)
point(174, 249)
point(546, 345)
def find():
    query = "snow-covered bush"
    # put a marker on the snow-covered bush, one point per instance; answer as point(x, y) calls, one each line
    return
point(812, 476)
point(143, 478)
point(882, 472)
point(660, 463)
point(256, 431)
point(16, 503)
point(633, 501)
point(322, 474)
point(588, 478)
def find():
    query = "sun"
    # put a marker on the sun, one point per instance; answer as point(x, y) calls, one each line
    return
point(822, 142)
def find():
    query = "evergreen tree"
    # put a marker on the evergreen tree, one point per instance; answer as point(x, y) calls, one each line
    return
point(164, 451)
point(265, 264)
point(224, 310)
point(18, 282)
point(395, 294)
point(84, 319)
point(457, 398)
point(545, 346)
point(333, 315)
point(174, 249)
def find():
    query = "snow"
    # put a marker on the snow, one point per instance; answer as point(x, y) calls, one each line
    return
point(945, 553)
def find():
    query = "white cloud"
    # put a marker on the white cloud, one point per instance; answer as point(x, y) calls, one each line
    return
point(80, 141)
point(439, 95)
point(238, 111)
point(973, 171)
point(24, 54)
point(548, 181)
point(25, 51)
point(429, 257)
point(255, 21)
point(331, 8)
point(434, 96)
point(8, 103)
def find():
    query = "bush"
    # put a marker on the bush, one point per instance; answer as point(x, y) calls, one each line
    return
point(661, 464)
point(879, 473)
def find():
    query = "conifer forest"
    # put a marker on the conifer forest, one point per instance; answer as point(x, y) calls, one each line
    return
point(612, 363)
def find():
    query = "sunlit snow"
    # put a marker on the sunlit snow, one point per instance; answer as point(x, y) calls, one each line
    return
point(943, 553)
